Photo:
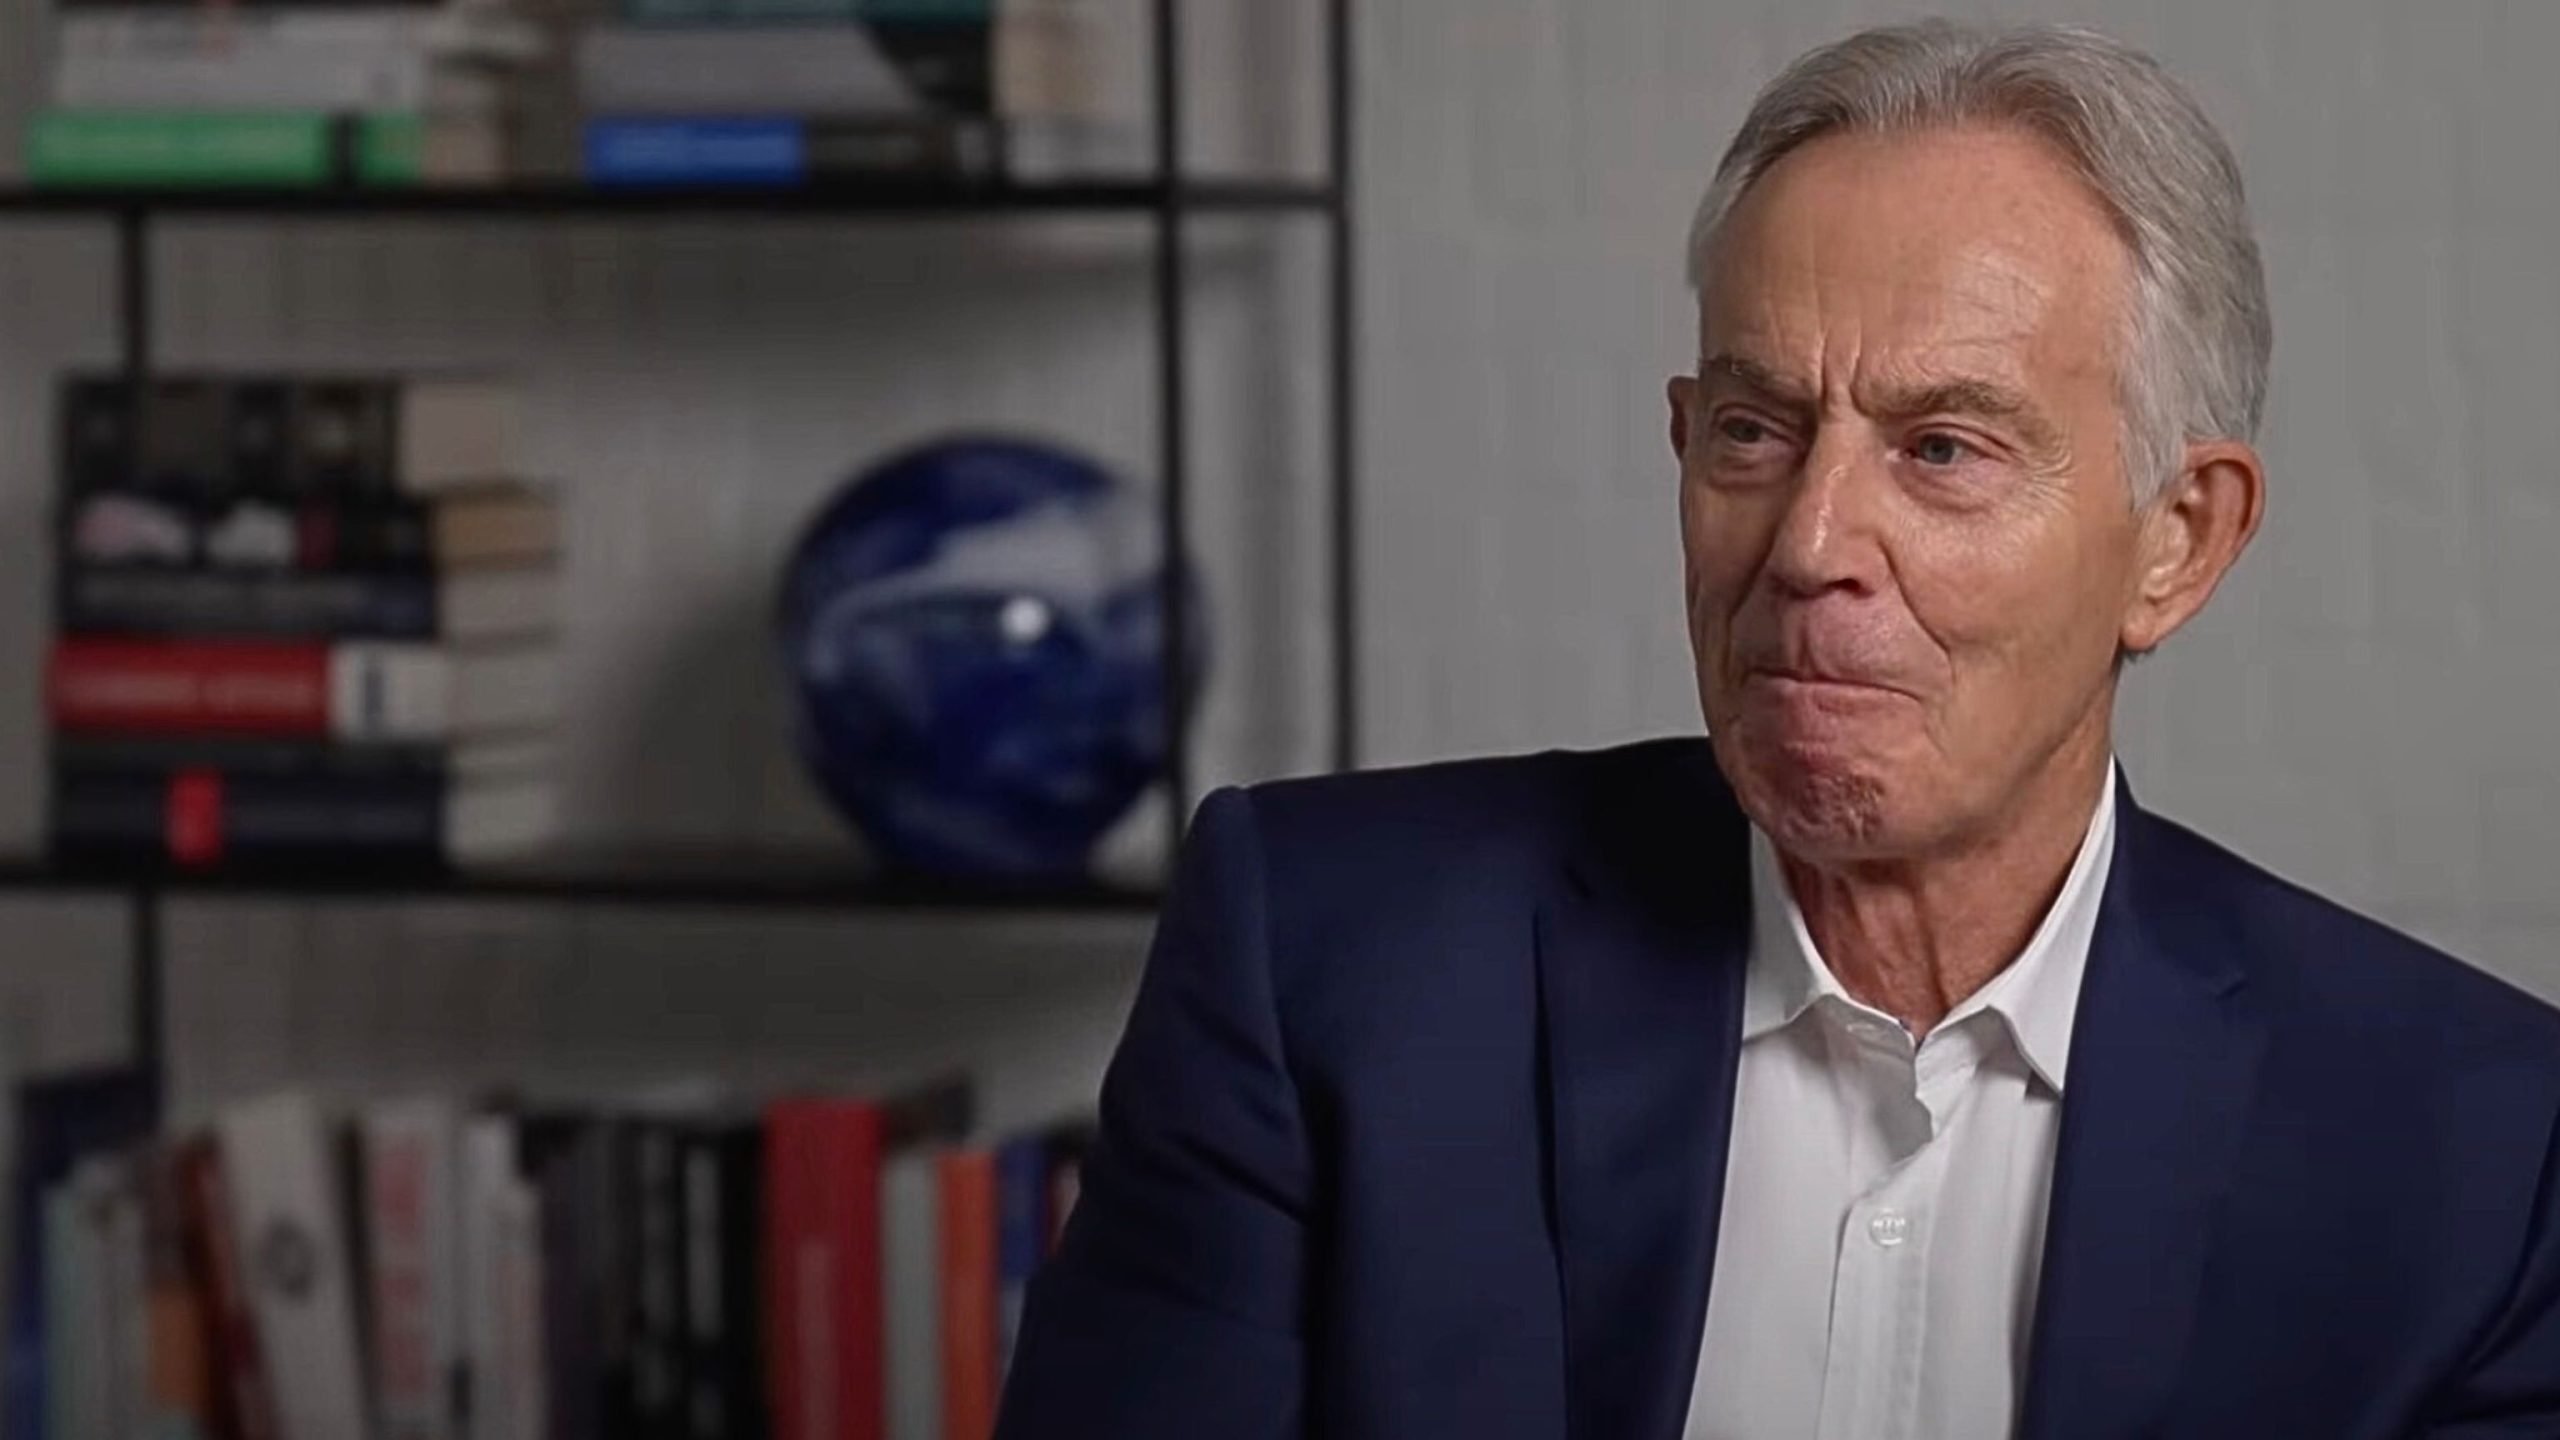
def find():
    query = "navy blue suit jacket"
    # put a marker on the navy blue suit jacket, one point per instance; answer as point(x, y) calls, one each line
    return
point(1418, 1130)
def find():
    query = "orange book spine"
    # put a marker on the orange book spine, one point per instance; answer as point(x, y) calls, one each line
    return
point(969, 1319)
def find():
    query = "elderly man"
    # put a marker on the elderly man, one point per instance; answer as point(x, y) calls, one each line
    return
point(1877, 1067)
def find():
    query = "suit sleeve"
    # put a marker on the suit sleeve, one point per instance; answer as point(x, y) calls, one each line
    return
point(2511, 1390)
point(1173, 1308)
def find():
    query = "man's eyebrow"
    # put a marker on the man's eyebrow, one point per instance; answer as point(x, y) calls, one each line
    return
point(1973, 396)
point(1757, 376)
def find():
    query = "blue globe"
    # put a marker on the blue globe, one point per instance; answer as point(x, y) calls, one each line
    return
point(972, 632)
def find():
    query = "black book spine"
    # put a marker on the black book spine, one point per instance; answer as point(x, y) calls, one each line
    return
point(571, 1381)
point(151, 601)
point(658, 1369)
point(723, 1302)
point(141, 818)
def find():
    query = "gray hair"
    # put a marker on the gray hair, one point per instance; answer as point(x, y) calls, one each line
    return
point(2194, 360)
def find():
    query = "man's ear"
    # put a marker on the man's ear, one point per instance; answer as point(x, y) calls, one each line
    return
point(1682, 391)
point(2191, 536)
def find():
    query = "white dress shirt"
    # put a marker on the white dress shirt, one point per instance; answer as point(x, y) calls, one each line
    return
point(1884, 1204)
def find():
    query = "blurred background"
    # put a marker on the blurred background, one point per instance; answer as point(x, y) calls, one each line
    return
point(679, 341)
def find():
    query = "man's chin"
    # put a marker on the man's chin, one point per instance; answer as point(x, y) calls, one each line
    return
point(1814, 802)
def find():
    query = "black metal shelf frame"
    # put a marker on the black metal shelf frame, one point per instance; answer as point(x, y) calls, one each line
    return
point(1166, 204)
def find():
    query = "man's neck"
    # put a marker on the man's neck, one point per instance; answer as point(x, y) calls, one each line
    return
point(1914, 938)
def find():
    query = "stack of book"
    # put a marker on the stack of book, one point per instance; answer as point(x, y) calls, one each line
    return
point(289, 92)
point(785, 92)
point(820, 1268)
point(304, 620)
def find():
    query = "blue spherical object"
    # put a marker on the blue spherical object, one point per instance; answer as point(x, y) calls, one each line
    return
point(972, 630)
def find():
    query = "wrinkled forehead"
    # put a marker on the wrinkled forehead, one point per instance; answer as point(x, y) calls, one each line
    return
point(1964, 250)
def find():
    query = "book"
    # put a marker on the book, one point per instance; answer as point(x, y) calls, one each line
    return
point(410, 1200)
point(971, 1319)
point(464, 607)
point(493, 526)
point(572, 1181)
point(212, 436)
point(910, 1208)
point(245, 58)
point(823, 1285)
point(293, 1249)
point(243, 1401)
point(1022, 1233)
point(177, 1391)
point(146, 601)
point(59, 1120)
point(118, 148)
point(723, 12)
point(501, 1285)
point(788, 150)
point(361, 693)
point(659, 1354)
point(206, 819)
point(79, 1303)
point(868, 69)
point(724, 1365)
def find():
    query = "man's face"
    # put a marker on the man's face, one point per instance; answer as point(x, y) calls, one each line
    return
point(1910, 542)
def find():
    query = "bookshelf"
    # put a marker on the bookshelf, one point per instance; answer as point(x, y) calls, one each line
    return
point(1164, 205)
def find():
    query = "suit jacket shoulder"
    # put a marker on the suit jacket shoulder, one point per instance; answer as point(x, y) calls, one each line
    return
point(2392, 1004)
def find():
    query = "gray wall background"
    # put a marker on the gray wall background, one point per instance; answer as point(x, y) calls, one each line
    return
point(2367, 707)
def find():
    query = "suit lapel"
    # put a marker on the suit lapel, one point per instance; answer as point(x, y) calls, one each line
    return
point(1641, 953)
point(2164, 1059)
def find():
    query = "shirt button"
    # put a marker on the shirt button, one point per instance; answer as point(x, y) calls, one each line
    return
point(1889, 1228)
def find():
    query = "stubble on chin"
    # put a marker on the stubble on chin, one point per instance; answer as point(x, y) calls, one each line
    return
point(1805, 809)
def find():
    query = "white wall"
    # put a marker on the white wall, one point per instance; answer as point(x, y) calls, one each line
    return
point(2365, 708)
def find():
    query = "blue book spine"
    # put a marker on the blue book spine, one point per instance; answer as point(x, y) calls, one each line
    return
point(743, 150)
point(1022, 1230)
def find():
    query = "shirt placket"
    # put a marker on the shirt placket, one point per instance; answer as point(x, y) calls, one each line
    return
point(1879, 1302)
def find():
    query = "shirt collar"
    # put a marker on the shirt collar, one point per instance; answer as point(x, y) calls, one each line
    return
point(2037, 995)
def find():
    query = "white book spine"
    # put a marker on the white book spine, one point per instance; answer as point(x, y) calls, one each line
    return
point(294, 1261)
point(410, 1164)
point(390, 692)
point(488, 1186)
point(910, 1222)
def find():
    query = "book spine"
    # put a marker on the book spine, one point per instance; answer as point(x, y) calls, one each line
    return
point(409, 1202)
point(910, 1207)
point(202, 819)
point(104, 527)
point(766, 12)
point(572, 1377)
point(180, 1388)
point(970, 1322)
point(721, 1185)
point(1022, 1234)
point(659, 1380)
point(67, 148)
point(299, 1288)
point(164, 61)
point(164, 755)
point(745, 151)
point(151, 602)
point(203, 688)
point(244, 1402)
point(824, 1286)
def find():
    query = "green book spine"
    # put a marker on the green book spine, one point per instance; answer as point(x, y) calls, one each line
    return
point(179, 147)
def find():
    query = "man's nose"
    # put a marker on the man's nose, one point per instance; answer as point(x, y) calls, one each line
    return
point(1827, 537)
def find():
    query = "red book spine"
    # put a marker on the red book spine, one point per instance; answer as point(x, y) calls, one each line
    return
point(244, 1408)
point(189, 688)
point(970, 1339)
point(826, 1351)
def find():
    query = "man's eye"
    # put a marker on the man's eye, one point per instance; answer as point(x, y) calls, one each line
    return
point(1742, 430)
point(1939, 449)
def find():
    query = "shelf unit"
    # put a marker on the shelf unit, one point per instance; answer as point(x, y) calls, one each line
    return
point(1164, 205)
